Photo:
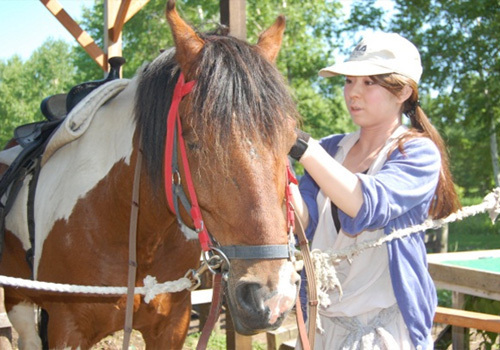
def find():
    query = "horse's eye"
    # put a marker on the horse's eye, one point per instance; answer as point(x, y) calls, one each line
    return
point(193, 146)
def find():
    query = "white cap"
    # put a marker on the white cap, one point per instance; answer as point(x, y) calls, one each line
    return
point(380, 53)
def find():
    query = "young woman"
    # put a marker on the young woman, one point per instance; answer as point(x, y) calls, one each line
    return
point(364, 185)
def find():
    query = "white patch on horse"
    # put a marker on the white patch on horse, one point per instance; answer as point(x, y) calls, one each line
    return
point(284, 299)
point(75, 169)
point(22, 317)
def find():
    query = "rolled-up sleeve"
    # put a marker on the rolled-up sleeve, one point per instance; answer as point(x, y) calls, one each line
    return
point(406, 182)
point(309, 189)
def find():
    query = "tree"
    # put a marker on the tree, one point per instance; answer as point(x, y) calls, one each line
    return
point(307, 48)
point(459, 45)
point(23, 85)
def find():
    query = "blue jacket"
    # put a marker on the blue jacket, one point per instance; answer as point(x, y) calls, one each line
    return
point(396, 197)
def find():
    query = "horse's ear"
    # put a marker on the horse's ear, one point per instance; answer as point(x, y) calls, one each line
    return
point(187, 43)
point(270, 40)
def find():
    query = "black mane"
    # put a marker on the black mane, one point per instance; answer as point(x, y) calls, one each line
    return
point(236, 89)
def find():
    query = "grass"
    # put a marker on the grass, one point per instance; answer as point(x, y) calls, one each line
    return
point(473, 233)
point(217, 341)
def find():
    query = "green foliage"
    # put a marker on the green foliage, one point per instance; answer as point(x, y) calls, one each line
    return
point(459, 45)
point(23, 85)
point(458, 41)
point(475, 232)
point(460, 51)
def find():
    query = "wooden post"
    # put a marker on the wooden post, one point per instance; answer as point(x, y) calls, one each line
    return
point(234, 340)
point(458, 333)
point(113, 37)
point(233, 15)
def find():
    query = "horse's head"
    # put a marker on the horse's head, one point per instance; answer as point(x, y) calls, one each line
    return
point(238, 125)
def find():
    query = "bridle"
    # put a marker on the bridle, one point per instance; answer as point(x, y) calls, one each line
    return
point(175, 194)
point(216, 257)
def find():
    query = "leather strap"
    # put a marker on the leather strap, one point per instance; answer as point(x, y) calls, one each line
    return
point(213, 315)
point(132, 251)
point(302, 326)
point(278, 251)
point(311, 288)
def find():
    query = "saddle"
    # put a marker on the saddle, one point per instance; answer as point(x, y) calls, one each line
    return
point(33, 138)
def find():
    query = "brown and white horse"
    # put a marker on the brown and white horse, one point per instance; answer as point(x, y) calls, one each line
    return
point(238, 125)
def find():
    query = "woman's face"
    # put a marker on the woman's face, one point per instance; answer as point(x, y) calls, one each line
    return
point(371, 105)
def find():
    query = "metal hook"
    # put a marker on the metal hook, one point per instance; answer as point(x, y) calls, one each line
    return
point(216, 261)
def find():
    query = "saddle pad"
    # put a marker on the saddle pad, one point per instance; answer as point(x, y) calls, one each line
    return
point(7, 156)
point(80, 117)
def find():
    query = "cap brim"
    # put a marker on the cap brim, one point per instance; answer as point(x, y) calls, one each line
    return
point(354, 68)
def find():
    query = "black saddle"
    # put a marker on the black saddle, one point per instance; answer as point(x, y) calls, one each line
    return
point(57, 106)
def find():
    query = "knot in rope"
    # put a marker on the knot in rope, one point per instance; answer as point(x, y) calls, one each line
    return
point(492, 201)
point(152, 288)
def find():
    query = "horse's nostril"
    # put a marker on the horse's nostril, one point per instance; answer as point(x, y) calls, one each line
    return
point(250, 297)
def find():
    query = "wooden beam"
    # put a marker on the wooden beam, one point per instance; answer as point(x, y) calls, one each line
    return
point(117, 25)
point(128, 9)
point(81, 36)
point(112, 48)
point(233, 15)
point(468, 319)
point(135, 7)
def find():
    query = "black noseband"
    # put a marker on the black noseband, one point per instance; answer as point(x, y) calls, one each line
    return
point(280, 251)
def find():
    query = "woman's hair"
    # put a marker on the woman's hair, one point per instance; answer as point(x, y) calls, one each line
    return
point(446, 200)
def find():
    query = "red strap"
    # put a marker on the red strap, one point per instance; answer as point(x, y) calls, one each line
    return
point(199, 226)
point(181, 89)
point(290, 215)
point(174, 121)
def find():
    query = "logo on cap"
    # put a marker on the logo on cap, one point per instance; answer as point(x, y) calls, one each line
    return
point(359, 50)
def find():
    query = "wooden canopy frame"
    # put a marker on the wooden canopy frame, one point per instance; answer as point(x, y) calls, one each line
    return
point(117, 13)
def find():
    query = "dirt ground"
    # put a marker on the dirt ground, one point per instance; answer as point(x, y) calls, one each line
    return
point(114, 342)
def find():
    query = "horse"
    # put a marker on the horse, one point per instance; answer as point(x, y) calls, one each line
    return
point(237, 125)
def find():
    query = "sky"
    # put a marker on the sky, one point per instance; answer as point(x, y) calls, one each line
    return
point(26, 24)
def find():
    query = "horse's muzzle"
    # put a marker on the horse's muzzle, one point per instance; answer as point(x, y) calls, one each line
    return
point(255, 307)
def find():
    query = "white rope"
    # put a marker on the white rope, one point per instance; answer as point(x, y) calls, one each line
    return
point(324, 261)
point(150, 290)
point(326, 277)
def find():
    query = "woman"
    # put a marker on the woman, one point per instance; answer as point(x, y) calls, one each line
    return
point(364, 185)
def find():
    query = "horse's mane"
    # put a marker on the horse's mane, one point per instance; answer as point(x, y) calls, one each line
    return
point(237, 91)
